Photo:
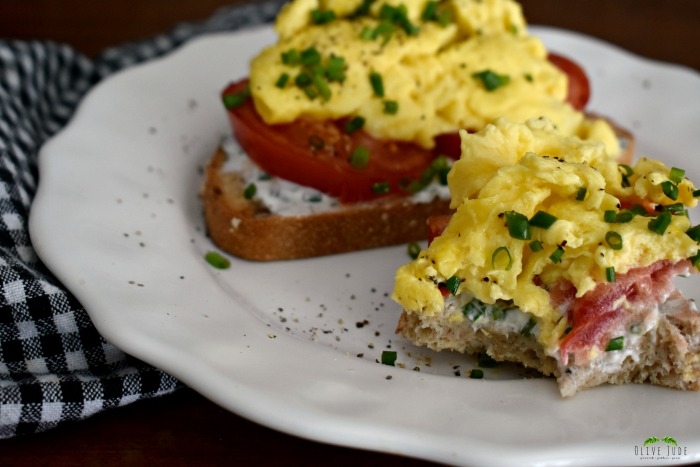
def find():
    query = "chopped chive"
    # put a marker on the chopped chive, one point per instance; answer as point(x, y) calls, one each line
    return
point(694, 233)
point(476, 373)
point(303, 79)
point(581, 193)
point(660, 223)
point(216, 260)
point(536, 246)
point(491, 80)
point(500, 251)
point(622, 217)
point(380, 188)
point(518, 225)
point(322, 86)
point(430, 11)
point(335, 68)
point(670, 189)
point(319, 16)
point(310, 57)
point(557, 255)
point(675, 208)
point(236, 99)
point(610, 274)
point(474, 309)
point(543, 220)
point(391, 107)
point(250, 191)
point(389, 357)
point(413, 250)
point(291, 57)
point(354, 124)
point(626, 172)
point(282, 80)
point(614, 240)
point(398, 15)
point(527, 329)
point(359, 157)
point(452, 284)
point(676, 175)
point(695, 259)
point(616, 343)
point(377, 83)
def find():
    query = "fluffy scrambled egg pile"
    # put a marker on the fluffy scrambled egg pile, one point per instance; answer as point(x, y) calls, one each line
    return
point(534, 207)
point(413, 69)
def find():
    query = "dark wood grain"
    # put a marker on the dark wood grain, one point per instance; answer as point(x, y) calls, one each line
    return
point(185, 428)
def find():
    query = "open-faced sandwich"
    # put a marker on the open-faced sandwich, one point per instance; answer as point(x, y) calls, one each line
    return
point(345, 128)
point(561, 259)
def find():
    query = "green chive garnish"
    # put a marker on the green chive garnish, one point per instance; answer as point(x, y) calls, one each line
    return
point(543, 220)
point(413, 250)
point(581, 193)
point(557, 254)
point(389, 357)
point(236, 99)
point(491, 80)
point(670, 189)
point(380, 188)
point(476, 374)
point(536, 246)
point(527, 330)
point(502, 252)
point(359, 157)
point(217, 260)
point(518, 225)
point(250, 191)
point(614, 240)
point(377, 83)
point(694, 233)
point(616, 343)
point(391, 107)
point(676, 175)
point(282, 80)
point(310, 57)
point(291, 57)
point(322, 86)
point(452, 284)
point(319, 16)
point(626, 172)
point(354, 124)
point(610, 274)
point(660, 223)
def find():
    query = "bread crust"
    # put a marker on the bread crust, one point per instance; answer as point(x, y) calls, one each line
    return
point(669, 354)
point(246, 228)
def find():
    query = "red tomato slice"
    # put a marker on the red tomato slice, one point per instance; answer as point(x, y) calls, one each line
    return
point(579, 86)
point(316, 153)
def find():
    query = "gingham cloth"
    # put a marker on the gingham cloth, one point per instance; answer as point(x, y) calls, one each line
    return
point(54, 366)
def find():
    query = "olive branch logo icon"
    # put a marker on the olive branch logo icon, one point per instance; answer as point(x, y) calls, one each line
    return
point(665, 439)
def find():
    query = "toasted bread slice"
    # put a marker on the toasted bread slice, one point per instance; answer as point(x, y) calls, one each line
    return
point(248, 229)
point(668, 354)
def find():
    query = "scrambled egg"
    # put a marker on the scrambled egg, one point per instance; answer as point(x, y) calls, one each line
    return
point(413, 69)
point(511, 171)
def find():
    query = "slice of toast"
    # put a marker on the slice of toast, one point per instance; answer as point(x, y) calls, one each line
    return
point(667, 354)
point(248, 229)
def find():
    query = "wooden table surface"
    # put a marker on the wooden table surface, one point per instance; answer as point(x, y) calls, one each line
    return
point(184, 428)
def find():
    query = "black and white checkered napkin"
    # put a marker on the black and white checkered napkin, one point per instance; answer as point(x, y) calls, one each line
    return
point(54, 366)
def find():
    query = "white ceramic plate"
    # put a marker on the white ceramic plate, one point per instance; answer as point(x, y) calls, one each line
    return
point(296, 345)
